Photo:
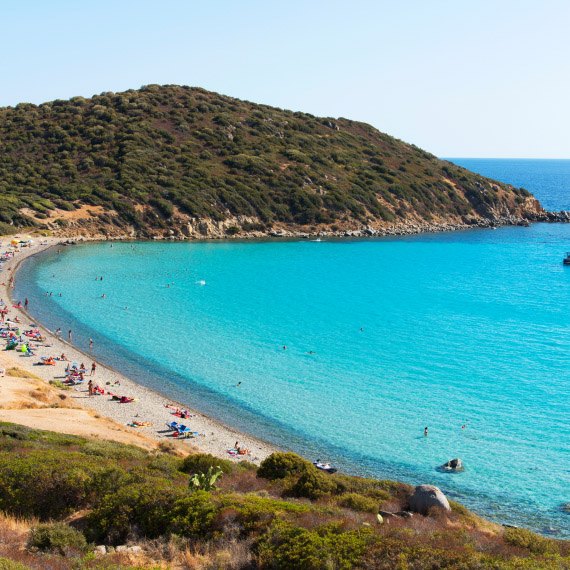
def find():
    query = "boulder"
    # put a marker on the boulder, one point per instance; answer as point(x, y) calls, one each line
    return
point(427, 497)
point(100, 549)
point(452, 465)
point(136, 549)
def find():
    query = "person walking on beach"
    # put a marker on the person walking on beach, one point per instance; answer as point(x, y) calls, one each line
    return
point(93, 368)
point(90, 387)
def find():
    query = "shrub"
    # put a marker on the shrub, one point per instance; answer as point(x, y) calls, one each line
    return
point(201, 462)
point(287, 547)
point(528, 540)
point(58, 538)
point(358, 502)
point(194, 516)
point(6, 564)
point(280, 465)
point(40, 484)
point(140, 509)
point(313, 484)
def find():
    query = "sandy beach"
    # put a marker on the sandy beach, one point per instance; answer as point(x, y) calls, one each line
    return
point(98, 415)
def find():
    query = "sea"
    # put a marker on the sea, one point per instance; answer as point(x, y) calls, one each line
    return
point(345, 350)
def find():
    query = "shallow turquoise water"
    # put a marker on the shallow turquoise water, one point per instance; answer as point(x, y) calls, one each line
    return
point(462, 328)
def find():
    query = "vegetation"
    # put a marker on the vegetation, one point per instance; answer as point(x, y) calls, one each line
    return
point(284, 515)
point(162, 157)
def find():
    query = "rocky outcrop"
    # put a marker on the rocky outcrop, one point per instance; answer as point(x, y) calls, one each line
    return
point(453, 465)
point(427, 498)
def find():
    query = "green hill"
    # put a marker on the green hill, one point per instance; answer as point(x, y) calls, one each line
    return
point(163, 160)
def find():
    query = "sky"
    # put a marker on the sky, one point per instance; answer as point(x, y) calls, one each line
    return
point(460, 78)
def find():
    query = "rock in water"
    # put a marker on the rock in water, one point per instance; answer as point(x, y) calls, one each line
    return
point(427, 497)
point(452, 465)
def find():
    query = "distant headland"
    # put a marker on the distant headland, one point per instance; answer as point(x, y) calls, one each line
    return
point(182, 162)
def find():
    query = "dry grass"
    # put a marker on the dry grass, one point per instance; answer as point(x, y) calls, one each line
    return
point(16, 372)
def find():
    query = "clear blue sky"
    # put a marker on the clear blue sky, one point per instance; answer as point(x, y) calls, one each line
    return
point(459, 78)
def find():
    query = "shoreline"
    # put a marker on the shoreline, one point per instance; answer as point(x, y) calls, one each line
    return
point(149, 405)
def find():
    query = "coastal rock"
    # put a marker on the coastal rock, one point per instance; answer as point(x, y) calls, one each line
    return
point(427, 497)
point(100, 550)
point(454, 465)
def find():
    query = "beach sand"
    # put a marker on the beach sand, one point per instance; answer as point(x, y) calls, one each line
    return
point(149, 406)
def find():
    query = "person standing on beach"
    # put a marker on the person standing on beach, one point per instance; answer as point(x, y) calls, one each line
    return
point(93, 368)
point(90, 387)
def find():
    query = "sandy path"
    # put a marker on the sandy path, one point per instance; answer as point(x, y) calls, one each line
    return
point(149, 406)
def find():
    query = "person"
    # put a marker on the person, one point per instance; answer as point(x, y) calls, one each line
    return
point(93, 368)
point(90, 387)
point(58, 332)
point(69, 335)
point(90, 344)
point(26, 303)
point(238, 384)
point(425, 431)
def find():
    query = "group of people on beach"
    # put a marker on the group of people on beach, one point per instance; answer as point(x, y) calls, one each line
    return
point(32, 340)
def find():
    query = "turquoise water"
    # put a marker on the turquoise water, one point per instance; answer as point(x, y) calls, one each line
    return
point(467, 328)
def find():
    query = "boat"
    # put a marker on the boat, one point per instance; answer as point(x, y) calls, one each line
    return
point(566, 260)
point(324, 466)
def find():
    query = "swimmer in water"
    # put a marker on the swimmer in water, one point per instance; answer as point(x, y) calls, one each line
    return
point(238, 384)
point(361, 329)
point(284, 347)
point(311, 352)
point(425, 431)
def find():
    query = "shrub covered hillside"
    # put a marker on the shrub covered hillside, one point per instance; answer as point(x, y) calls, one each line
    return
point(184, 160)
point(72, 503)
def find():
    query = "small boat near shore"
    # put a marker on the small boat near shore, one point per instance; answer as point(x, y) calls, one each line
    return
point(324, 466)
point(566, 260)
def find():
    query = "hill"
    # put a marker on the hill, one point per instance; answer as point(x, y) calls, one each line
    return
point(170, 160)
point(61, 495)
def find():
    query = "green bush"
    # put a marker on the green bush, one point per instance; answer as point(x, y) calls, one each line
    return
point(194, 516)
point(280, 465)
point(39, 484)
point(201, 462)
point(313, 484)
point(287, 547)
point(358, 502)
point(58, 538)
point(528, 540)
point(139, 509)
point(6, 564)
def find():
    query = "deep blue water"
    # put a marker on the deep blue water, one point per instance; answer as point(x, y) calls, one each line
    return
point(548, 179)
point(467, 328)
